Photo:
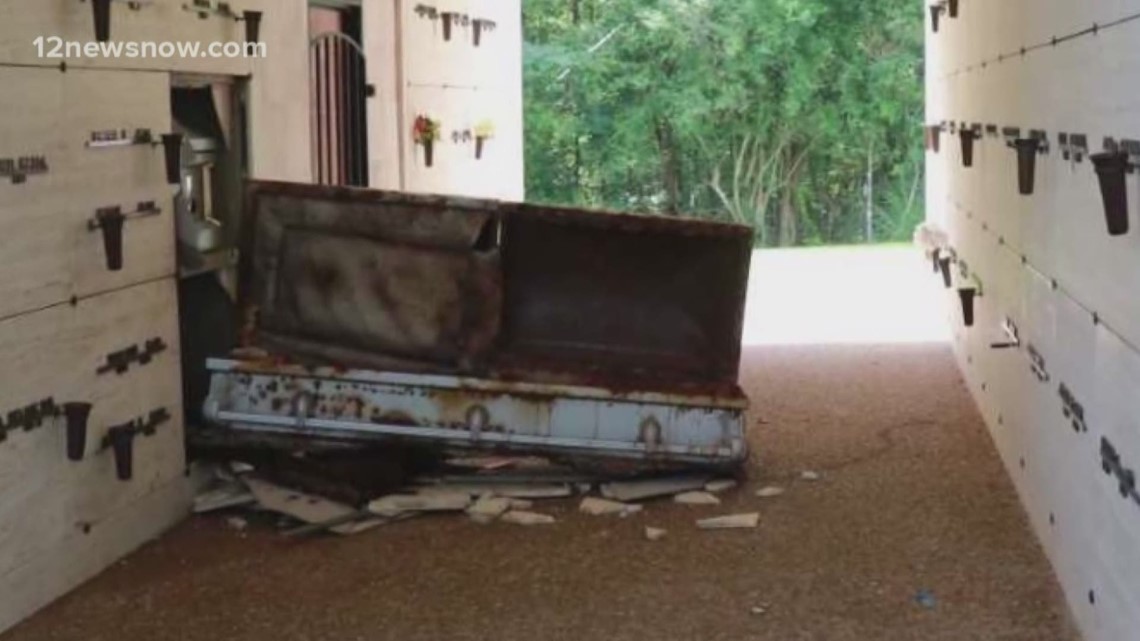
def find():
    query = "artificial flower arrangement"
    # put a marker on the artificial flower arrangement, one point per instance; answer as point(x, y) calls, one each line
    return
point(484, 130)
point(425, 132)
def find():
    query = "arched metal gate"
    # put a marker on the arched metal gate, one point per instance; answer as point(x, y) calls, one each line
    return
point(338, 88)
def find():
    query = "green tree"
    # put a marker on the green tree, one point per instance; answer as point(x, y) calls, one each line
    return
point(776, 113)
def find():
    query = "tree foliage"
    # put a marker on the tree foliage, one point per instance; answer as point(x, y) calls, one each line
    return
point(768, 112)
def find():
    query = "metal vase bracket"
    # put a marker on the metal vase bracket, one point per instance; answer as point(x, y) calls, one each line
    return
point(968, 137)
point(476, 31)
point(1027, 150)
point(935, 15)
point(936, 138)
point(447, 17)
point(110, 222)
point(1111, 171)
point(967, 296)
point(76, 415)
point(172, 152)
point(952, 6)
point(121, 440)
point(101, 12)
point(944, 267)
point(252, 20)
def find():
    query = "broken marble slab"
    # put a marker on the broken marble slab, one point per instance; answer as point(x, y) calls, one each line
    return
point(810, 475)
point(731, 521)
point(521, 517)
point(654, 533)
point(720, 485)
point(600, 507)
point(306, 508)
point(240, 468)
point(696, 498)
point(395, 504)
point(533, 491)
point(769, 491)
point(228, 495)
point(641, 489)
point(488, 508)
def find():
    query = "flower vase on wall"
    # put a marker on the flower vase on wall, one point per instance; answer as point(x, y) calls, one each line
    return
point(967, 295)
point(101, 13)
point(1027, 149)
point(425, 132)
point(1111, 171)
point(484, 131)
point(447, 17)
point(77, 415)
point(968, 136)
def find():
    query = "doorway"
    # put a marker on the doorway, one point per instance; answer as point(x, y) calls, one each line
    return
point(338, 90)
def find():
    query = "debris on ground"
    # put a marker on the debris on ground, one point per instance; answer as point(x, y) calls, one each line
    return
point(220, 488)
point(396, 504)
point(926, 599)
point(809, 475)
point(299, 505)
point(520, 517)
point(599, 507)
point(237, 468)
point(500, 489)
point(306, 508)
point(231, 494)
point(760, 609)
point(769, 491)
point(641, 489)
point(731, 521)
point(720, 485)
point(488, 508)
point(237, 523)
point(696, 498)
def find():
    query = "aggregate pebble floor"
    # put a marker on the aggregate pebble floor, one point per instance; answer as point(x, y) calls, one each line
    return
point(912, 497)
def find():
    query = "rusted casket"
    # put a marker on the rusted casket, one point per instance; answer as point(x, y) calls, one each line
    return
point(487, 324)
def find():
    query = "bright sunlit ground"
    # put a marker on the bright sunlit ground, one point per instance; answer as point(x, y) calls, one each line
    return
point(878, 294)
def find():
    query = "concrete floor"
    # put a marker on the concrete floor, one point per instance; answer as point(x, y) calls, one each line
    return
point(912, 497)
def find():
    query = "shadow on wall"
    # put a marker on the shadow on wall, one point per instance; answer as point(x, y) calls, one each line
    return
point(843, 295)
